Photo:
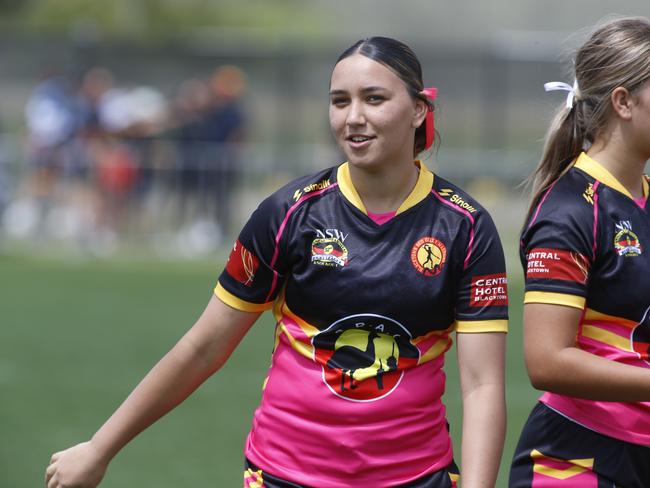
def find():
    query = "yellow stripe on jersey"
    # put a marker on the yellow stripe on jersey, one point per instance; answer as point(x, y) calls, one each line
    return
point(426, 336)
point(299, 346)
point(477, 326)
point(454, 477)
point(438, 348)
point(593, 315)
point(594, 169)
point(283, 309)
point(420, 191)
point(552, 298)
point(347, 188)
point(577, 466)
point(602, 335)
point(257, 480)
point(237, 303)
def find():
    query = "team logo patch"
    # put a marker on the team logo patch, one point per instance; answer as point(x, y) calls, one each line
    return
point(489, 291)
point(641, 337)
point(626, 242)
point(428, 256)
point(364, 356)
point(557, 264)
point(242, 264)
point(329, 251)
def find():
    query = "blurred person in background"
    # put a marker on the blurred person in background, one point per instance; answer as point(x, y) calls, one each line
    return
point(369, 266)
point(210, 131)
point(585, 251)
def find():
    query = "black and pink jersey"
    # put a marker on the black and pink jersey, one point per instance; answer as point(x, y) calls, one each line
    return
point(364, 314)
point(585, 246)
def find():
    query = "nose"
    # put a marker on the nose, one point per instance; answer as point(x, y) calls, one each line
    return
point(355, 115)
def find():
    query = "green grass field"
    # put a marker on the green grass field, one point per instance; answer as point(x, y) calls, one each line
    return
point(76, 337)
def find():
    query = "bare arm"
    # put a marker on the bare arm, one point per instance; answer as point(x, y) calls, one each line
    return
point(555, 363)
point(481, 362)
point(199, 354)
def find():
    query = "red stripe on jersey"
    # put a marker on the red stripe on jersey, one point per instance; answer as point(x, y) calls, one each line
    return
point(557, 264)
point(242, 264)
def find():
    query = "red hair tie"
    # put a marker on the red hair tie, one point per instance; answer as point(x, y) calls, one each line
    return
point(431, 93)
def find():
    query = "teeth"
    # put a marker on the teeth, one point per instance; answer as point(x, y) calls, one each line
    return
point(359, 139)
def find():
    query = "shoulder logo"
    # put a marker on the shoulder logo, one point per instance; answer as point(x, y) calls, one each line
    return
point(242, 264)
point(589, 193)
point(428, 256)
point(328, 248)
point(310, 188)
point(626, 242)
point(456, 199)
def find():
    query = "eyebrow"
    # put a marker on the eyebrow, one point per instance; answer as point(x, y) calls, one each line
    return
point(367, 89)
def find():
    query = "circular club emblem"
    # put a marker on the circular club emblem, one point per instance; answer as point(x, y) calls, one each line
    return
point(364, 356)
point(428, 256)
point(641, 337)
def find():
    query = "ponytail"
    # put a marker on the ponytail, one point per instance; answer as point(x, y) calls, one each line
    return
point(616, 54)
point(564, 142)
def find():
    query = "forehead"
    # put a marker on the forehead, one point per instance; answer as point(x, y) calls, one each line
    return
point(358, 71)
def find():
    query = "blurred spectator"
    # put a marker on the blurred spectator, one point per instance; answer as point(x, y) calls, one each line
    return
point(224, 128)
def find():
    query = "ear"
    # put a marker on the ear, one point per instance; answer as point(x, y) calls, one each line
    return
point(622, 102)
point(419, 113)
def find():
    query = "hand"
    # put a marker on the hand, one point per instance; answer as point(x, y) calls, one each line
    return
point(81, 466)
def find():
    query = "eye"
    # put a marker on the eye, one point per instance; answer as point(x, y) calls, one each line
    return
point(375, 99)
point(339, 101)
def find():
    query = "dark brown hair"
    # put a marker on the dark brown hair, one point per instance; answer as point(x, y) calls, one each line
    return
point(400, 59)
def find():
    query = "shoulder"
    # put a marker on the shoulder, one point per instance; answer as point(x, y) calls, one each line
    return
point(565, 215)
point(457, 200)
point(298, 191)
point(570, 198)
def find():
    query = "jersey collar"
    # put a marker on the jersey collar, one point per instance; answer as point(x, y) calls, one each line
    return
point(420, 191)
point(596, 170)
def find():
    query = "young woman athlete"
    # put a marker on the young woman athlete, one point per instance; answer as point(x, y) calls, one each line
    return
point(586, 254)
point(369, 267)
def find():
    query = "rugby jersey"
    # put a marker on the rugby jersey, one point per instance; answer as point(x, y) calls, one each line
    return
point(364, 314)
point(585, 247)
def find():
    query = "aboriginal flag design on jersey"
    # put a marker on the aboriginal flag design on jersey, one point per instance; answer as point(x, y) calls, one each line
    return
point(364, 315)
point(585, 247)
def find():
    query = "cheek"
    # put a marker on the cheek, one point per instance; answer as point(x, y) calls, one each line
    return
point(336, 120)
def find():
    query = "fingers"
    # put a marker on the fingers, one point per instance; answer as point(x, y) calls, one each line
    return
point(52, 482)
point(49, 474)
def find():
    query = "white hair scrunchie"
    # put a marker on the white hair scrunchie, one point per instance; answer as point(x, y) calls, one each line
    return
point(559, 85)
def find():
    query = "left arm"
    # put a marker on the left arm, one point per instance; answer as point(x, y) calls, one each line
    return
point(481, 363)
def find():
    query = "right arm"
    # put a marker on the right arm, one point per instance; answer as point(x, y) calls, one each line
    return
point(555, 364)
point(198, 355)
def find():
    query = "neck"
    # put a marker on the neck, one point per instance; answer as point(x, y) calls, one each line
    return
point(384, 190)
point(626, 166)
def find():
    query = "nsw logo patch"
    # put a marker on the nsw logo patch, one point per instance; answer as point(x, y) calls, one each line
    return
point(626, 241)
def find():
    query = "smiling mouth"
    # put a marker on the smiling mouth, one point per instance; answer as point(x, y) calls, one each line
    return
point(359, 139)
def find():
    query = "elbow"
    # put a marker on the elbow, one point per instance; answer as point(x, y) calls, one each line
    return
point(542, 375)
